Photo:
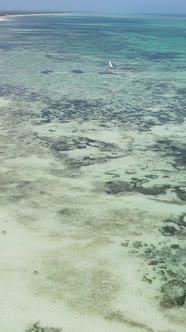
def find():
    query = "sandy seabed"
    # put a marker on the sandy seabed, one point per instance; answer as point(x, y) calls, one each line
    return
point(72, 252)
point(92, 220)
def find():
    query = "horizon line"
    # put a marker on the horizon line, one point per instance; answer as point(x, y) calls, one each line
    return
point(23, 11)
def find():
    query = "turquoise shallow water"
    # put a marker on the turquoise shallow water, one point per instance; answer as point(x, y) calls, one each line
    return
point(43, 55)
point(93, 170)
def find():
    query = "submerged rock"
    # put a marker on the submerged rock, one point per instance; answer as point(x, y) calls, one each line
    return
point(122, 187)
point(125, 244)
point(173, 293)
point(137, 244)
point(37, 328)
point(175, 246)
point(151, 176)
point(146, 279)
point(177, 226)
point(181, 193)
point(77, 71)
point(168, 230)
point(47, 72)
point(117, 187)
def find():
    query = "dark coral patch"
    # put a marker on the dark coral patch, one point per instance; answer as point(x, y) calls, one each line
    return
point(121, 187)
point(77, 71)
point(47, 71)
point(173, 293)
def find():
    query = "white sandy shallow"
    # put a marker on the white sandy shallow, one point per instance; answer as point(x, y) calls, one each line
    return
point(68, 269)
point(78, 260)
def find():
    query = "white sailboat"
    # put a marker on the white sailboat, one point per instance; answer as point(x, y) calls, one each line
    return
point(110, 65)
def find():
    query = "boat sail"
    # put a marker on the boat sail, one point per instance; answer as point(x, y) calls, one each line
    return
point(110, 65)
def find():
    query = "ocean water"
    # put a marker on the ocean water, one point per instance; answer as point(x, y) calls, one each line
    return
point(92, 173)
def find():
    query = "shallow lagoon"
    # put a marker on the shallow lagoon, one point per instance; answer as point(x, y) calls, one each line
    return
point(93, 181)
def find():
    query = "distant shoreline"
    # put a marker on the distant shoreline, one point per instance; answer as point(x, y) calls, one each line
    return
point(6, 15)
